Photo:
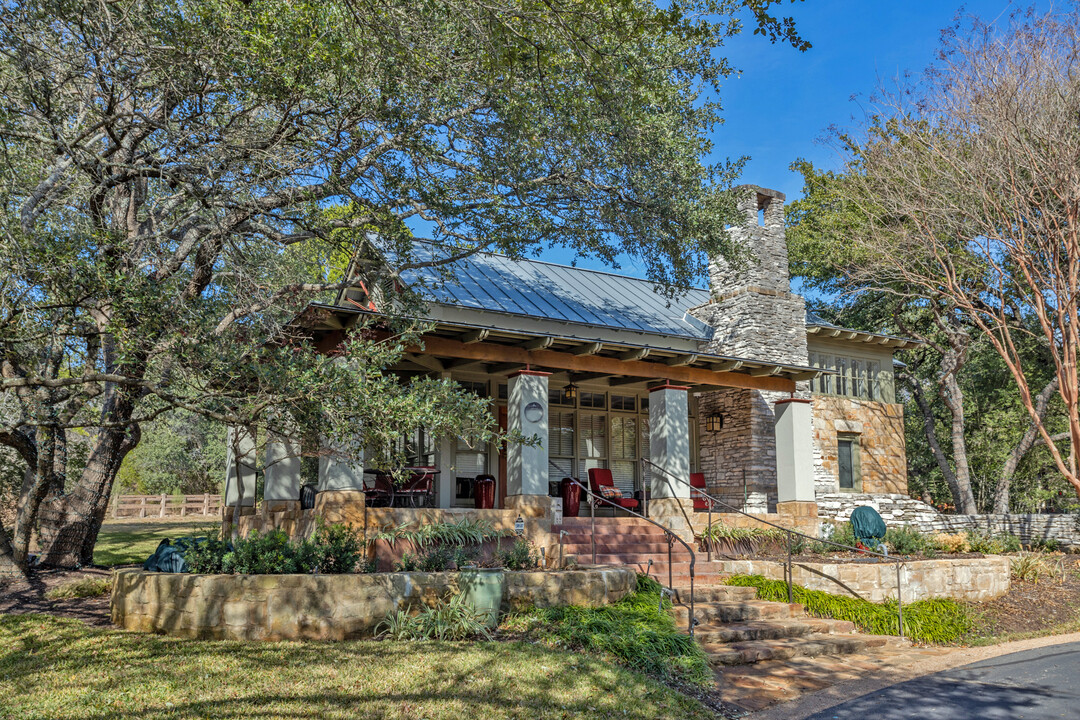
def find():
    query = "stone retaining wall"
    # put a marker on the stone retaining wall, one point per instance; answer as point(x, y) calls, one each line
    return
point(903, 510)
point(326, 607)
point(982, 578)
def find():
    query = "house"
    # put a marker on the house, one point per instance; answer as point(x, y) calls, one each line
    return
point(778, 409)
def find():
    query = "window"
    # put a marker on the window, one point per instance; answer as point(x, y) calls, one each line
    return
point(592, 434)
point(560, 445)
point(624, 452)
point(624, 402)
point(557, 396)
point(854, 377)
point(476, 388)
point(593, 400)
point(847, 457)
point(418, 448)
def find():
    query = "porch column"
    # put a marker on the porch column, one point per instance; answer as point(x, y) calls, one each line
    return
point(527, 413)
point(281, 469)
point(669, 441)
point(794, 452)
point(234, 495)
point(447, 472)
point(340, 471)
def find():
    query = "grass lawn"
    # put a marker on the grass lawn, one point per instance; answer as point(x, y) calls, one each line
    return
point(54, 668)
point(126, 542)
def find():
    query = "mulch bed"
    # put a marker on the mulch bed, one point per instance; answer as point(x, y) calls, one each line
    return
point(20, 597)
point(1032, 607)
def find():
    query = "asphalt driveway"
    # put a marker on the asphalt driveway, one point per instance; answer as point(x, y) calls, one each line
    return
point(1037, 684)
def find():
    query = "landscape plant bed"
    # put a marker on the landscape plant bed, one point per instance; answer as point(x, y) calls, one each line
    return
point(1049, 604)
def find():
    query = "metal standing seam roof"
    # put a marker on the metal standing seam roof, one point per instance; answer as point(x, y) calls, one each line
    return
point(533, 288)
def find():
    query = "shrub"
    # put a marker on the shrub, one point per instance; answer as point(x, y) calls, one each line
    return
point(336, 549)
point(990, 544)
point(269, 554)
point(522, 556)
point(408, 563)
point(635, 631)
point(206, 555)
point(936, 621)
point(465, 556)
point(951, 542)
point(450, 619)
point(722, 531)
point(1031, 568)
point(1049, 545)
point(906, 541)
point(83, 588)
point(436, 559)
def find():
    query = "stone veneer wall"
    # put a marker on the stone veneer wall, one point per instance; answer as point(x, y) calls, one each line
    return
point(882, 451)
point(326, 607)
point(982, 578)
point(903, 510)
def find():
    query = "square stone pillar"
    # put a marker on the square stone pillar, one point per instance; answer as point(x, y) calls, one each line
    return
point(527, 413)
point(234, 495)
point(794, 451)
point(669, 441)
point(340, 471)
point(281, 468)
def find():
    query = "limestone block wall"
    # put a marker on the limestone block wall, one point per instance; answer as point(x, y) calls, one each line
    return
point(326, 607)
point(895, 509)
point(880, 427)
point(982, 578)
point(903, 510)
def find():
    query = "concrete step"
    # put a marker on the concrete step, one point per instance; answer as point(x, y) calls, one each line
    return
point(744, 653)
point(736, 611)
point(753, 630)
point(584, 523)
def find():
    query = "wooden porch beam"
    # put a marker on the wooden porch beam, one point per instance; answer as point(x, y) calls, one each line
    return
point(680, 360)
point(505, 368)
point(552, 359)
point(726, 366)
point(426, 361)
point(616, 382)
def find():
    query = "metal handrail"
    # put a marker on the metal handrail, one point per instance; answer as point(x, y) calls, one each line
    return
point(790, 533)
point(667, 531)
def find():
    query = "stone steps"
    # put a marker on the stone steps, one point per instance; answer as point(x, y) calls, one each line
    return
point(736, 611)
point(770, 630)
point(812, 645)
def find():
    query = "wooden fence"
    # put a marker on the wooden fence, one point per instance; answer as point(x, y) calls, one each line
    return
point(142, 506)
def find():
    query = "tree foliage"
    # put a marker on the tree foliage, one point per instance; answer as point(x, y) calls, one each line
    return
point(180, 179)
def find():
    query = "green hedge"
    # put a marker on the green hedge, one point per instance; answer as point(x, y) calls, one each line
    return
point(933, 621)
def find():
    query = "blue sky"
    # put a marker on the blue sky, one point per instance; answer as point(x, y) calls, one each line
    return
point(778, 109)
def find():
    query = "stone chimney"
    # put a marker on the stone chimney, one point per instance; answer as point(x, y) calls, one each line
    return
point(752, 309)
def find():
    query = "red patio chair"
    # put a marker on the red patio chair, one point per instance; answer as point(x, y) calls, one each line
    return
point(697, 482)
point(601, 478)
point(418, 490)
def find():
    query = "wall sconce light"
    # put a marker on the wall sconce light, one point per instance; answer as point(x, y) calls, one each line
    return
point(714, 422)
point(569, 393)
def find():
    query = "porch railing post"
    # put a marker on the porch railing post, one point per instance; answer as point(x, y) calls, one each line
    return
point(899, 600)
point(790, 595)
point(708, 540)
point(592, 516)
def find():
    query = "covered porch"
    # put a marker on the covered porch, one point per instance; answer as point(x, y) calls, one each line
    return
point(606, 400)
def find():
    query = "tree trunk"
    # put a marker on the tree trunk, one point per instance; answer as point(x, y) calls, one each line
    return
point(9, 568)
point(1008, 470)
point(954, 401)
point(69, 522)
point(930, 430)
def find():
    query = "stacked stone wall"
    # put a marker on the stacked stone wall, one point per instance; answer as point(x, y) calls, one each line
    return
point(327, 607)
point(882, 449)
point(903, 510)
point(976, 578)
